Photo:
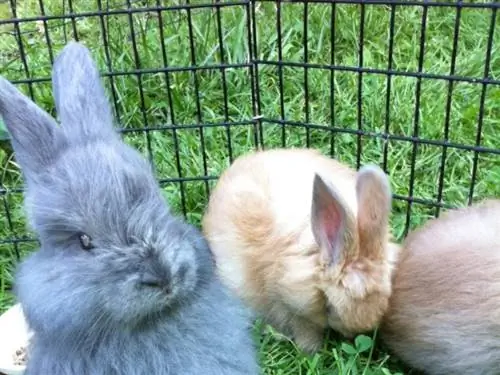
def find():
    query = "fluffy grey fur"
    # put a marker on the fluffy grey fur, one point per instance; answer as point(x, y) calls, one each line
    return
point(144, 299)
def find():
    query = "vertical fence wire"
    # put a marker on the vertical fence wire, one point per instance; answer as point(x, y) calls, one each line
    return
point(486, 75)
point(46, 31)
point(332, 79)
point(416, 122)
point(19, 40)
point(171, 110)
point(142, 103)
point(73, 20)
point(359, 148)
point(390, 61)
point(224, 83)
point(197, 94)
point(306, 76)
point(456, 32)
point(254, 74)
point(280, 72)
point(11, 226)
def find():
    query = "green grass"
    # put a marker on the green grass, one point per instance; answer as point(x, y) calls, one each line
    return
point(338, 356)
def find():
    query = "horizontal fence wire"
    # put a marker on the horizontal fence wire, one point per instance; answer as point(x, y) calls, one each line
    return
point(264, 119)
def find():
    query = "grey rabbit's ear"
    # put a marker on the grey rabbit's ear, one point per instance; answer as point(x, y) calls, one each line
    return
point(35, 135)
point(81, 102)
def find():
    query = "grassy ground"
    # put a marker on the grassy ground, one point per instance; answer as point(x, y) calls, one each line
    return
point(199, 98)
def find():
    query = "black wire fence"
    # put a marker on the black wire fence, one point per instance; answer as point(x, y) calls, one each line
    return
point(194, 84)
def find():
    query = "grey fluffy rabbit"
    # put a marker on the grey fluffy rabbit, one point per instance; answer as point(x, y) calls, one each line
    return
point(119, 285)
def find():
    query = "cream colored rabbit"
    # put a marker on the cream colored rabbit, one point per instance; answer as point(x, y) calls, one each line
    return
point(444, 314)
point(304, 241)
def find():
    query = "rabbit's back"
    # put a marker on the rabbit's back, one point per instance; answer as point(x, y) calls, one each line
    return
point(276, 186)
point(444, 314)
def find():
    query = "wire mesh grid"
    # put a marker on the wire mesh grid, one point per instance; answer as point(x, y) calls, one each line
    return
point(413, 86)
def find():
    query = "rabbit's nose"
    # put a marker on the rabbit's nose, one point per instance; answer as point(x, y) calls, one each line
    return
point(156, 276)
point(152, 280)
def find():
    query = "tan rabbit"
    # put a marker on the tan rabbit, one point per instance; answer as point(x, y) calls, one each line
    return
point(304, 241)
point(444, 314)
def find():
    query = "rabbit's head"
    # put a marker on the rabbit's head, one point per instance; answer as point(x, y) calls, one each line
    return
point(357, 257)
point(111, 252)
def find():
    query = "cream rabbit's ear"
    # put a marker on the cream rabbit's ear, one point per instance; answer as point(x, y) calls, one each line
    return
point(35, 136)
point(332, 224)
point(81, 101)
point(374, 197)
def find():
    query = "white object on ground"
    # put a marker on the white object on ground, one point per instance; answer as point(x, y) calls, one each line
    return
point(15, 335)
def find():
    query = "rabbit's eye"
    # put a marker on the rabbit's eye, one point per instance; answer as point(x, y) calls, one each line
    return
point(85, 241)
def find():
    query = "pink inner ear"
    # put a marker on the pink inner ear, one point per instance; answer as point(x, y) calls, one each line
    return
point(327, 219)
point(330, 223)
